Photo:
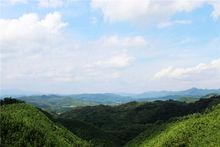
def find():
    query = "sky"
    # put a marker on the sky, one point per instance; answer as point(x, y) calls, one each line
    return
point(78, 46)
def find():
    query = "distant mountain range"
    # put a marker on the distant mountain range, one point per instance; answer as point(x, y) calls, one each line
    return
point(149, 94)
point(104, 98)
point(192, 92)
point(61, 103)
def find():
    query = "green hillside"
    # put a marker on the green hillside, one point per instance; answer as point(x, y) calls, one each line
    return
point(201, 129)
point(126, 121)
point(158, 123)
point(23, 125)
point(98, 137)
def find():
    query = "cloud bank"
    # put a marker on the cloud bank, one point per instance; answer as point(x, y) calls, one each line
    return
point(149, 10)
point(202, 71)
point(48, 48)
point(35, 48)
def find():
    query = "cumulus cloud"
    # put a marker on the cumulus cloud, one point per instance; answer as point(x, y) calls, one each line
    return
point(30, 26)
point(120, 10)
point(29, 32)
point(149, 10)
point(202, 71)
point(38, 49)
point(27, 44)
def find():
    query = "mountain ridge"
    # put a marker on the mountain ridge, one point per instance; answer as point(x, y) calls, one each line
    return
point(199, 129)
point(161, 93)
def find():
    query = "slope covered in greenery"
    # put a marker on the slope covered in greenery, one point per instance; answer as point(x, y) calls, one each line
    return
point(165, 123)
point(201, 129)
point(94, 135)
point(24, 125)
point(128, 120)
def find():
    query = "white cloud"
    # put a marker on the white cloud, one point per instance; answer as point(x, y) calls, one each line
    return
point(30, 34)
point(202, 71)
point(174, 22)
point(35, 49)
point(149, 10)
point(29, 26)
point(118, 61)
point(51, 3)
point(29, 46)
point(216, 6)
point(53, 22)
point(121, 9)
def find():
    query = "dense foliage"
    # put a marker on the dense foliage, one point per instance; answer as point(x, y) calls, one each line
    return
point(192, 130)
point(91, 133)
point(157, 123)
point(9, 100)
point(23, 125)
point(126, 121)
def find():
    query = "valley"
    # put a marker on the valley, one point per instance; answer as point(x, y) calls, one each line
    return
point(152, 123)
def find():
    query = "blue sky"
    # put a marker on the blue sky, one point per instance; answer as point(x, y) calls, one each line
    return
point(74, 46)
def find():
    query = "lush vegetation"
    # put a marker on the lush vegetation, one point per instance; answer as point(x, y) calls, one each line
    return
point(192, 130)
point(91, 133)
point(24, 125)
point(126, 121)
point(9, 100)
point(157, 123)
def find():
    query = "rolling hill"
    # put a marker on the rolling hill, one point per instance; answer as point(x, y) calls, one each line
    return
point(59, 103)
point(192, 92)
point(104, 98)
point(157, 123)
point(25, 125)
point(56, 103)
point(62, 103)
point(201, 129)
point(126, 121)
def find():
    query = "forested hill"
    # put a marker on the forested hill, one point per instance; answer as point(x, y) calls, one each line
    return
point(126, 121)
point(158, 123)
point(192, 130)
point(24, 125)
